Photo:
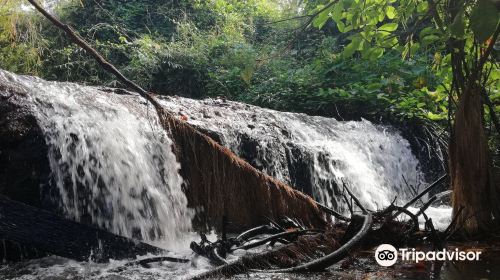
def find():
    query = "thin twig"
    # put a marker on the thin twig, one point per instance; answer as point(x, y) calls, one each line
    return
point(424, 192)
point(356, 200)
point(432, 200)
point(349, 205)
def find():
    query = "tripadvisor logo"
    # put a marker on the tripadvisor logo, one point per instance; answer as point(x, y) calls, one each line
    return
point(387, 255)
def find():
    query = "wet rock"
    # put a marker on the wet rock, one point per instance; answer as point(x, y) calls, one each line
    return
point(24, 166)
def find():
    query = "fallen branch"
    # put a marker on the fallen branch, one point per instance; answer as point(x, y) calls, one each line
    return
point(436, 241)
point(332, 212)
point(101, 60)
point(413, 217)
point(285, 234)
point(290, 255)
point(356, 200)
point(330, 259)
point(424, 192)
point(349, 204)
point(431, 201)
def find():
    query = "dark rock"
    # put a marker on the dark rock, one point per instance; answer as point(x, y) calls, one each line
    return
point(24, 166)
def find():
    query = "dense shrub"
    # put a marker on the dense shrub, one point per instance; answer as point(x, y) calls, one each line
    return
point(225, 48)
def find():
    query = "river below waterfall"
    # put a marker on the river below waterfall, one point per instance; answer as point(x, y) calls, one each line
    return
point(113, 166)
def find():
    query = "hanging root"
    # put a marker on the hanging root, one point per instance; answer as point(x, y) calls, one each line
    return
point(223, 184)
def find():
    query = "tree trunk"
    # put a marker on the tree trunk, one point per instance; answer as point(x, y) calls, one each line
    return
point(470, 167)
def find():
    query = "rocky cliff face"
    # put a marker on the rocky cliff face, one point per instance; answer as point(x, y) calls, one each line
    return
point(313, 154)
point(100, 156)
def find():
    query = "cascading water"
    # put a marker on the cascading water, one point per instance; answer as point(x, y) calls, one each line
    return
point(111, 161)
point(316, 154)
point(113, 165)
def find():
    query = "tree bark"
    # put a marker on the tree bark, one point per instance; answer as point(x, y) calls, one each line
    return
point(470, 168)
point(471, 176)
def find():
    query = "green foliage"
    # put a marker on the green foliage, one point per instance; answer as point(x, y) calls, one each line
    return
point(484, 19)
point(20, 43)
point(387, 86)
point(360, 61)
point(373, 27)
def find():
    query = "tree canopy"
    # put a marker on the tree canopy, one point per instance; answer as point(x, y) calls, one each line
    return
point(343, 58)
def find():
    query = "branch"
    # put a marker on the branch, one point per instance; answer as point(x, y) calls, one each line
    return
point(356, 200)
point(413, 217)
point(436, 241)
point(428, 189)
point(413, 200)
point(332, 212)
point(77, 39)
point(311, 17)
point(349, 205)
point(432, 200)
point(330, 259)
point(288, 19)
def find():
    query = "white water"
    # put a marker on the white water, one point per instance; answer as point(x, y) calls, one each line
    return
point(375, 162)
point(113, 164)
point(111, 161)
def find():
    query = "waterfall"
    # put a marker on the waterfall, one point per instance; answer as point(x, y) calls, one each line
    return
point(111, 160)
point(113, 165)
point(315, 154)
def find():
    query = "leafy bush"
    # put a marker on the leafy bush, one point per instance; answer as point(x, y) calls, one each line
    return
point(229, 48)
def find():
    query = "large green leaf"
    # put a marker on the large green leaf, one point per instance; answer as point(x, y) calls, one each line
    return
point(375, 53)
point(337, 12)
point(341, 26)
point(429, 39)
point(428, 30)
point(422, 7)
point(390, 11)
point(322, 18)
point(484, 19)
point(352, 46)
point(389, 27)
point(435, 117)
